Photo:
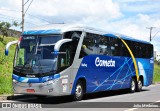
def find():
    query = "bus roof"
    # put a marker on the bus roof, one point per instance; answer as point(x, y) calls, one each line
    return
point(62, 28)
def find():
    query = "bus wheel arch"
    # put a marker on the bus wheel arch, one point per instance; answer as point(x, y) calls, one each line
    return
point(80, 89)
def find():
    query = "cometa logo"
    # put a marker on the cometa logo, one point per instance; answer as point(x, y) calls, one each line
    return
point(104, 63)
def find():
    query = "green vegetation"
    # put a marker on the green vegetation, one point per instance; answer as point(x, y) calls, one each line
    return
point(156, 72)
point(6, 67)
point(5, 26)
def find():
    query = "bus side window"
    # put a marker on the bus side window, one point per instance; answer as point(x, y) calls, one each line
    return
point(125, 51)
point(88, 46)
point(139, 52)
point(115, 46)
point(133, 47)
point(104, 46)
point(149, 51)
point(75, 36)
point(143, 51)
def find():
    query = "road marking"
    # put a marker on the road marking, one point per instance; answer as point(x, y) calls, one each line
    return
point(157, 101)
point(131, 109)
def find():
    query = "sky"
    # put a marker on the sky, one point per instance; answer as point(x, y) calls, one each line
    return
point(128, 17)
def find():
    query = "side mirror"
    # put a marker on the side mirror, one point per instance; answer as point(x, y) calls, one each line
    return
point(59, 44)
point(8, 45)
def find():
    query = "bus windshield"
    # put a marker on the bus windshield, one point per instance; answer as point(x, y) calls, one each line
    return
point(34, 55)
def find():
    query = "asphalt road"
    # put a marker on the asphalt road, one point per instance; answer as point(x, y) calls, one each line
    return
point(100, 101)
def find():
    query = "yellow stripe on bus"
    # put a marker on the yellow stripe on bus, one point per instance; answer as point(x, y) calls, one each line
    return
point(133, 58)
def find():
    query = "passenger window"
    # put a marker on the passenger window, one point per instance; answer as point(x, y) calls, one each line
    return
point(115, 46)
point(149, 51)
point(88, 45)
point(75, 36)
point(124, 50)
point(104, 48)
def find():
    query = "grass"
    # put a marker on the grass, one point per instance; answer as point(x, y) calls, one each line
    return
point(6, 67)
point(156, 72)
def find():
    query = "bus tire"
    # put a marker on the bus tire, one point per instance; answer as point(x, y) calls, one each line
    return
point(132, 85)
point(79, 91)
point(40, 96)
point(139, 85)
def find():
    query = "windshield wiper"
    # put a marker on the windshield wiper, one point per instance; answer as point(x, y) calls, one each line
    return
point(46, 73)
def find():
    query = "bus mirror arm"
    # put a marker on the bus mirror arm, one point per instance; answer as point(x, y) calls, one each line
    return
point(60, 43)
point(8, 45)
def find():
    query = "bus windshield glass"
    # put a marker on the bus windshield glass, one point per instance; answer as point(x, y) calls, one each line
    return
point(34, 55)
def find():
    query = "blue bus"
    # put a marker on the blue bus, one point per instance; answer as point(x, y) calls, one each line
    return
point(64, 59)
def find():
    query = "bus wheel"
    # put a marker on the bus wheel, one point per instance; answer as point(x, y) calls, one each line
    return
point(79, 91)
point(133, 85)
point(139, 85)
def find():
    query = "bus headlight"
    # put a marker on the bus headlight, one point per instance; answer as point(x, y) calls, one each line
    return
point(14, 81)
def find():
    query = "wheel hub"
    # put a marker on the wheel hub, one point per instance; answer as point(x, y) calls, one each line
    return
point(139, 84)
point(78, 90)
point(133, 85)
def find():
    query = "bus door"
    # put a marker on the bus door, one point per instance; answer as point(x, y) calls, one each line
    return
point(62, 50)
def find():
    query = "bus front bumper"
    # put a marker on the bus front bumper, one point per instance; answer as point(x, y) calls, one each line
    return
point(46, 88)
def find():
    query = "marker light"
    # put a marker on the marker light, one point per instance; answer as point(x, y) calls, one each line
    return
point(20, 39)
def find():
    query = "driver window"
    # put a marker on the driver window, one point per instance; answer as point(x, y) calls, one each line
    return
point(64, 59)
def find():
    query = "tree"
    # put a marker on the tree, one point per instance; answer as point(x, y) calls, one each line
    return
point(15, 23)
point(4, 28)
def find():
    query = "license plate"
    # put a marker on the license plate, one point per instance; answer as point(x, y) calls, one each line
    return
point(30, 90)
